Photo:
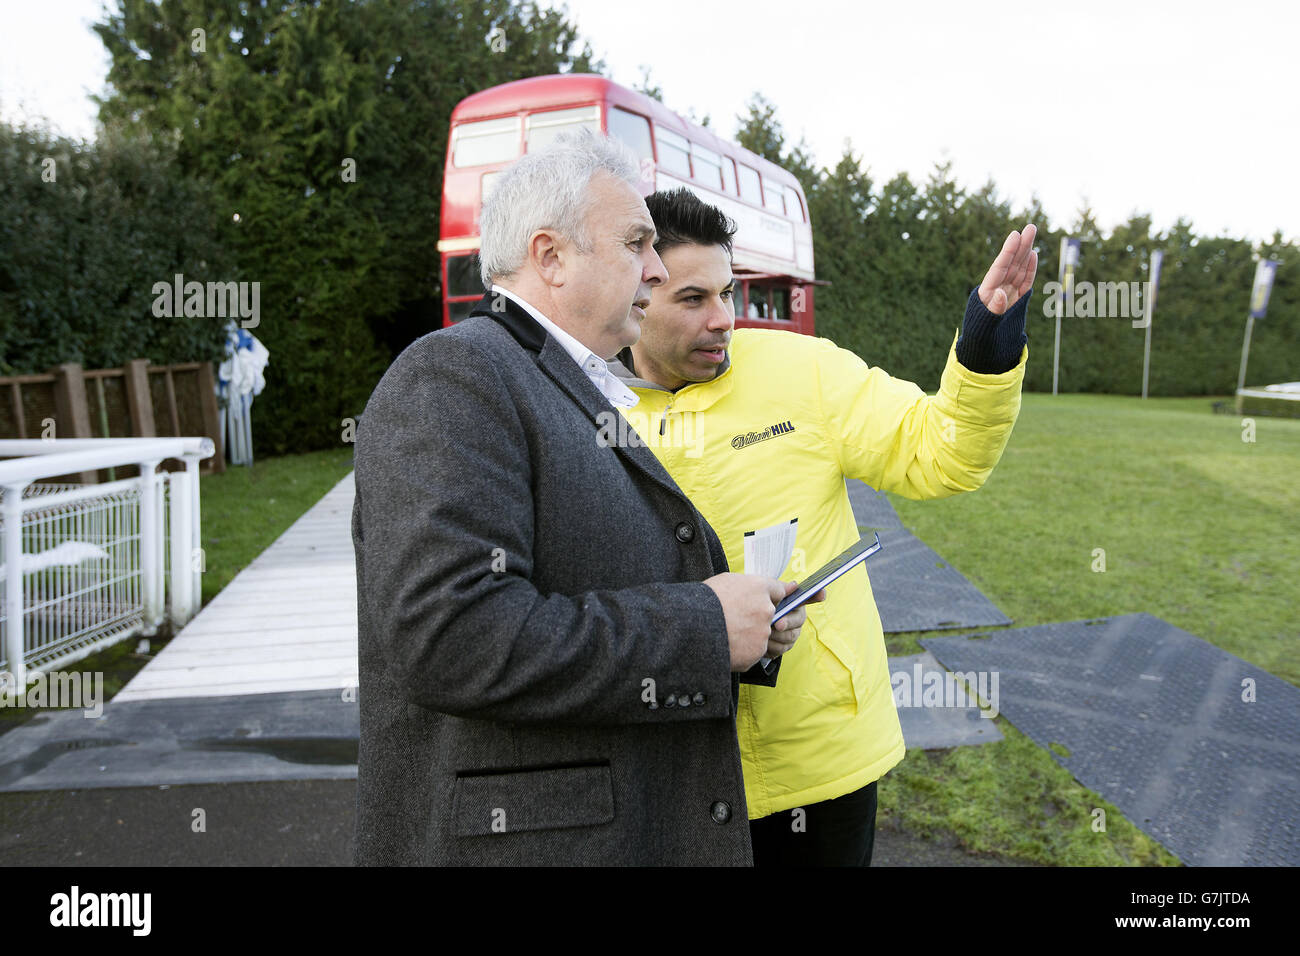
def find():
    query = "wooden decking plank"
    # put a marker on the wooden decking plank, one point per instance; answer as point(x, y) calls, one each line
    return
point(286, 622)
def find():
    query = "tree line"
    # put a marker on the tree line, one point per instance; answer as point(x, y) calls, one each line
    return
point(902, 257)
point(301, 146)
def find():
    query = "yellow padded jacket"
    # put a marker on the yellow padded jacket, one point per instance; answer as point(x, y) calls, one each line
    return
point(773, 437)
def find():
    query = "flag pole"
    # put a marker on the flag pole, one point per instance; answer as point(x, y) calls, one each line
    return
point(1157, 256)
point(1060, 306)
point(1245, 351)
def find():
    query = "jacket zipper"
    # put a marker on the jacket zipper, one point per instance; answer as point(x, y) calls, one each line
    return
point(663, 421)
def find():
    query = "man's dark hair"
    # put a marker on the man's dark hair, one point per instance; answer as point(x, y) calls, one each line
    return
point(681, 217)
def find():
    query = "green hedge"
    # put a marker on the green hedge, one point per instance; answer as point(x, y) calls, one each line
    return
point(85, 232)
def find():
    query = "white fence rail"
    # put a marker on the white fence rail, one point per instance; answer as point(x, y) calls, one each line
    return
point(85, 566)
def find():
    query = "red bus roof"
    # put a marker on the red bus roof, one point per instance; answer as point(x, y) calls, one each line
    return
point(547, 92)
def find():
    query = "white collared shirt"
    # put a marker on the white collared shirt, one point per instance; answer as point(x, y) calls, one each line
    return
point(595, 367)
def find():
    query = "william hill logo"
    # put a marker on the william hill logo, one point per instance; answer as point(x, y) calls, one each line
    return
point(751, 438)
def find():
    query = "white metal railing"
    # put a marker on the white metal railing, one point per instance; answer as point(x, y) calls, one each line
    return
point(85, 566)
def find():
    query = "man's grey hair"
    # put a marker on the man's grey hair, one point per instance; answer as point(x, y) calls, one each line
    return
point(546, 190)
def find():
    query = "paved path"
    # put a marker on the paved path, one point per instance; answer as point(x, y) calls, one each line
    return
point(291, 823)
point(286, 622)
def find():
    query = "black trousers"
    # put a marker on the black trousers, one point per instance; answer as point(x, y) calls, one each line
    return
point(839, 832)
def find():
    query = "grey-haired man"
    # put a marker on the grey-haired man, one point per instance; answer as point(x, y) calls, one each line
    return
point(548, 643)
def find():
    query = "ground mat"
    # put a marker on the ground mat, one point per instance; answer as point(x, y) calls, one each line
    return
point(1196, 747)
point(915, 589)
point(936, 720)
point(871, 508)
point(301, 735)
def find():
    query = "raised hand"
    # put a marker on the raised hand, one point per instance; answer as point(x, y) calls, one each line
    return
point(1012, 272)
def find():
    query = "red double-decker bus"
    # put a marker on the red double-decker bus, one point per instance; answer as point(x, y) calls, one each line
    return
point(773, 251)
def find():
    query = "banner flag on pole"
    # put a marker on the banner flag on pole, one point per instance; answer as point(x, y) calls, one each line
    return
point(1069, 263)
point(1264, 273)
point(1157, 259)
point(1064, 300)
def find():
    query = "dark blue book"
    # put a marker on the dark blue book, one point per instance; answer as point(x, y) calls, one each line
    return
point(845, 561)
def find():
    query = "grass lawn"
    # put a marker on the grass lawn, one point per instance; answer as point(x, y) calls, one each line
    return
point(1197, 527)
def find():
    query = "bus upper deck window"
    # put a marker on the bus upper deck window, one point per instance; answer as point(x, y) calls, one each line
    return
point(631, 129)
point(708, 166)
point(543, 128)
point(793, 205)
point(487, 141)
point(674, 153)
point(749, 185)
point(772, 197)
point(729, 174)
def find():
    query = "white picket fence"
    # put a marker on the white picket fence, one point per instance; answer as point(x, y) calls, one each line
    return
point(85, 566)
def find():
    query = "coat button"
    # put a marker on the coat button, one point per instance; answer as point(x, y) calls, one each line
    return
point(720, 812)
point(654, 705)
point(685, 533)
point(670, 701)
point(684, 700)
point(699, 699)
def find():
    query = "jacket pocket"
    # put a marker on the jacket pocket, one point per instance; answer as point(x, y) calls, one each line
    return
point(552, 798)
point(838, 667)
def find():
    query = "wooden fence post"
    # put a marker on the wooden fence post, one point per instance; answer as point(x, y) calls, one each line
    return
point(20, 420)
point(211, 418)
point(72, 409)
point(139, 403)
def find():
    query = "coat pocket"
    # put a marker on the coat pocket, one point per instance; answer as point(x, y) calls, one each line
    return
point(551, 798)
point(839, 668)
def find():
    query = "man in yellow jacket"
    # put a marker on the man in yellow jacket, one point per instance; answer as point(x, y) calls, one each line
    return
point(760, 427)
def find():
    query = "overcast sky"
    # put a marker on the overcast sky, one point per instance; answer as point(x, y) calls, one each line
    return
point(1172, 108)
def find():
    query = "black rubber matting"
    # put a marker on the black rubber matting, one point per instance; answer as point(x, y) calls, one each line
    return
point(915, 589)
point(1160, 723)
point(871, 508)
point(931, 721)
point(300, 735)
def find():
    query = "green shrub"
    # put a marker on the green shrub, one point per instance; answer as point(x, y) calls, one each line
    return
point(85, 232)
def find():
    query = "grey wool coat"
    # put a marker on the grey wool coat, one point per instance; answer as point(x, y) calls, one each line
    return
point(543, 677)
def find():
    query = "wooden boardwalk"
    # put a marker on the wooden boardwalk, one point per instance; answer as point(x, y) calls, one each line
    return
point(286, 622)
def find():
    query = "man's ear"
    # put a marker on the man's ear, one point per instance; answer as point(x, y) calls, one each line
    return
point(548, 253)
